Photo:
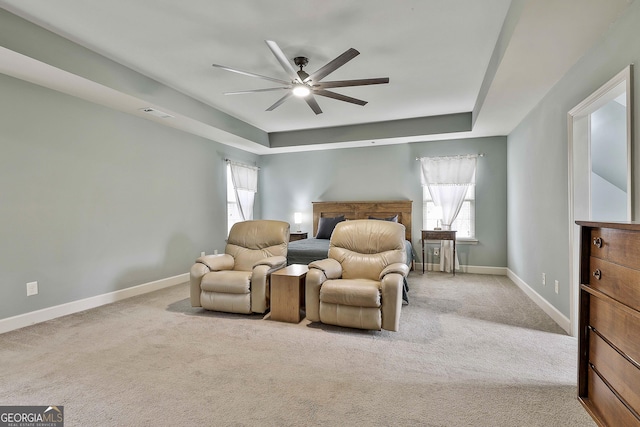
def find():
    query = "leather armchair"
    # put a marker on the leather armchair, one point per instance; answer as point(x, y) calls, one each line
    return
point(238, 280)
point(360, 284)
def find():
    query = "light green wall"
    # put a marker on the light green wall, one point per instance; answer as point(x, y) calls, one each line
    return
point(537, 162)
point(94, 201)
point(290, 182)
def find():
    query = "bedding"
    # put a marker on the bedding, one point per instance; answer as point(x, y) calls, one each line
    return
point(305, 251)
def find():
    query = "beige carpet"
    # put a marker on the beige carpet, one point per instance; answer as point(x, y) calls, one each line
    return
point(472, 351)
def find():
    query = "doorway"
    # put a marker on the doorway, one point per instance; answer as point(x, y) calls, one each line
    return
point(600, 132)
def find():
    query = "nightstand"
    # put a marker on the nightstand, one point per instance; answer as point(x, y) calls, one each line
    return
point(297, 236)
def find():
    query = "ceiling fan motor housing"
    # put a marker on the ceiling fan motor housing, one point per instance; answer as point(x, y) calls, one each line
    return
point(300, 61)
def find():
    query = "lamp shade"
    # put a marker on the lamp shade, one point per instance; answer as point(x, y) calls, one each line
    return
point(437, 212)
point(297, 218)
point(438, 215)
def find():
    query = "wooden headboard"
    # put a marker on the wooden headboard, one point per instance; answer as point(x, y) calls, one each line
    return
point(363, 210)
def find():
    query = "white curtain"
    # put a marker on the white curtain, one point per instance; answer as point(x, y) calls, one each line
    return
point(245, 186)
point(448, 179)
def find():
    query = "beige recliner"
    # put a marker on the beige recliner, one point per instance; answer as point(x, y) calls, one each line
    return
point(360, 284)
point(238, 280)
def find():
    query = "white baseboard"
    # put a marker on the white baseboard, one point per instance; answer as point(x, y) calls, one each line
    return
point(563, 321)
point(473, 269)
point(49, 313)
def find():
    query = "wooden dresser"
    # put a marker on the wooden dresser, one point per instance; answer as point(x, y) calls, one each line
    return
point(609, 334)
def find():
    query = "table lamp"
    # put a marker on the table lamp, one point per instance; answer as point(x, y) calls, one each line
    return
point(437, 214)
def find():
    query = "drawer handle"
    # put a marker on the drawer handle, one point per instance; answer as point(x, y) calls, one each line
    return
point(598, 242)
point(597, 274)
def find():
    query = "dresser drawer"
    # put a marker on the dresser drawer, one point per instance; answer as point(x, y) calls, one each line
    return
point(620, 283)
point(618, 246)
point(621, 327)
point(622, 375)
point(606, 406)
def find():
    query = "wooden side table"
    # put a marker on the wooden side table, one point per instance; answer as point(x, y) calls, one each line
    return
point(439, 235)
point(287, 293)
point(297, 235)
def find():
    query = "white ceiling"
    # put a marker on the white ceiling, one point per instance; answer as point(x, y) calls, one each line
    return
point(437, 53)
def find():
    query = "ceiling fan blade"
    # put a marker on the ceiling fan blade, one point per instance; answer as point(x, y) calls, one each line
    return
point(333, 65)
point(311, 101)
point(282, 59)
point(339, 97)
point(346, 83)
point(279, 101)
point(242, 92)
point(246, 73)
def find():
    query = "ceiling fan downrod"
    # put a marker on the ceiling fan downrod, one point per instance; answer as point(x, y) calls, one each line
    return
point(301, 61)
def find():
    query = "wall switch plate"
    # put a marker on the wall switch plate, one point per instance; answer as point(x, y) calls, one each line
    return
point(557, 286)
point(544, 279)
point(32, 288)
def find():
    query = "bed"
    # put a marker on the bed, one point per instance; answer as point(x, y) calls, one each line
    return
point(306, 251)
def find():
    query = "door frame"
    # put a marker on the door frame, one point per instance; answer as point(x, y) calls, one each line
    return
point(576, 139)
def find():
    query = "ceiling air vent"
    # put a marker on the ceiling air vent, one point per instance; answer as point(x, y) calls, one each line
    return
point(156, 113)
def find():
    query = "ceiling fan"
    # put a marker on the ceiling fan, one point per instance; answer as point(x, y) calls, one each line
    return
point(307, 85)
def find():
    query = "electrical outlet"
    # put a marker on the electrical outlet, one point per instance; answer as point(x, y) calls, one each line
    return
point(32, 288)
point(201, 253)
point(557, 286)
point(544, 279)
point(436, 251)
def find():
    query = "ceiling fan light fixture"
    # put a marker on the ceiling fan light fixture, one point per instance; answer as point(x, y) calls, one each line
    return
point(301, 90)
point(307, 86)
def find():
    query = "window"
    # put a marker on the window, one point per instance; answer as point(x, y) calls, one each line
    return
point(465, 221)
point(233, 213)
point(448, 193)
point(242, 186)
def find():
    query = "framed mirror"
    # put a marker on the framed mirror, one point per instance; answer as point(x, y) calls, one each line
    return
point(600, 175)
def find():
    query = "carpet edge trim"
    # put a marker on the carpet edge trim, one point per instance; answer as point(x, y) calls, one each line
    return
point(49, 313)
